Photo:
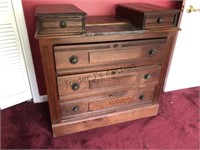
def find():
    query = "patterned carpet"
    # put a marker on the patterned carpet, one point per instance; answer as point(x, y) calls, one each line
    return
point(27, 126)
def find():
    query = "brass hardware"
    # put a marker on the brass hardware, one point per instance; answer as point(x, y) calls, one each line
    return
point(75, 108)
point(75, 86)
point(152, 51)
point(192, 9)
point(63, 24)
point(113, 72)
point(160, 20)
point(73, 59)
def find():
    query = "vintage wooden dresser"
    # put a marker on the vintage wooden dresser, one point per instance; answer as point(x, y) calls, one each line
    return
point(104, 70)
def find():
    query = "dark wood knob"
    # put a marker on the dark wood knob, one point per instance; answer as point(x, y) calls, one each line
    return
point(141, 97)
point(75, 86)
point(75, 108)
point(73, 59)
point(160, 20)
point(147, 76)
point(152, 51)
point(63, 24)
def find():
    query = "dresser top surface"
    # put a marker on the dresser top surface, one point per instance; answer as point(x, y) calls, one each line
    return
point(108, 25)
point(147, 8)
point(45, 10)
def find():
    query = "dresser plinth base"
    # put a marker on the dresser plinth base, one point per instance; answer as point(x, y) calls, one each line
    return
point(104, 120)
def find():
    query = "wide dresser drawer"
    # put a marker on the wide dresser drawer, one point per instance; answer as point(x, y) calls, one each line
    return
point(74, 86)
point(71, 57)
point(107, 102)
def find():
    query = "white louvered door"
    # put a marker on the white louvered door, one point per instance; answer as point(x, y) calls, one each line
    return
point(14, 81)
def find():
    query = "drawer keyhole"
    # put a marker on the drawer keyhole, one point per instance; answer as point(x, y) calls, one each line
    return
point(73, 59)
point(159, 65)
point(115, 45)
point(113, 72)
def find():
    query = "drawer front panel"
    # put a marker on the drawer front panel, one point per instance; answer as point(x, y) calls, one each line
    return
point(118, 99)
point(161, 20)
point(91, 83)
point(87, 55)
point(61, 25)
point(113, 81)
point(117, 55)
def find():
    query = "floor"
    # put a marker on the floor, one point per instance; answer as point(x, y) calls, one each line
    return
point(27, 126)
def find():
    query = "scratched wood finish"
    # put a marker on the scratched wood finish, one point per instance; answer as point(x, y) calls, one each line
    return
point(119, 77)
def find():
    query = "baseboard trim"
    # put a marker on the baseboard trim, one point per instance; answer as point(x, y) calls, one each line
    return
point(69, 127)
point(43, 98)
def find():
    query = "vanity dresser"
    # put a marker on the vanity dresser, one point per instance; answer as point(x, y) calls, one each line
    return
point(104, 70)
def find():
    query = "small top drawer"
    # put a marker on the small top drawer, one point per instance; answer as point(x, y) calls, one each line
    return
point(160, 20)
point(60, 19)
point(87, 55)
point(147, 16)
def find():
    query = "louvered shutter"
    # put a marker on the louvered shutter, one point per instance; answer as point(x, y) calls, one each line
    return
point(14, 82)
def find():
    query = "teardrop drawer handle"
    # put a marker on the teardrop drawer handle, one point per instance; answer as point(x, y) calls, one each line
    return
point(147, 76)
point(63, 24)
point(75, 86)
point(75, 108)
point(152, 51)
point(73, 59)
point(160, 20)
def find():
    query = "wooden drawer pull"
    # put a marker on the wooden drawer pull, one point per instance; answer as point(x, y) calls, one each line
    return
point(147, 76)
point(63, 24)
point(152, 51)
point(73, 59)
point(75, 108)
point(75, 86)
point(160, 20)
point(141, 97)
